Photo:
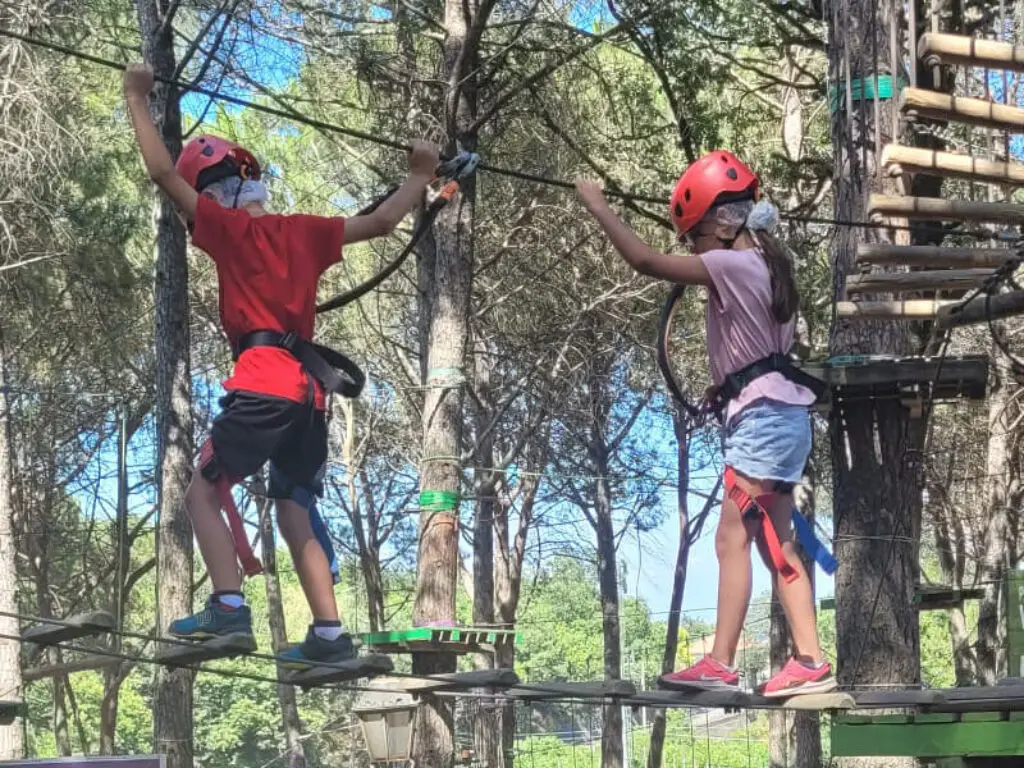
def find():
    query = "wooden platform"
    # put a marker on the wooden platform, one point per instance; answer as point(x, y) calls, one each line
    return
point(969, 51)
point(937, 208)
point(899, 159)
point(857, 377)
point(923, 280)
point(932, 256)
point(928, 597)
point(933, 105)
point(458, 640)
point(371, 665)
point(183, 654)
point(50, 632)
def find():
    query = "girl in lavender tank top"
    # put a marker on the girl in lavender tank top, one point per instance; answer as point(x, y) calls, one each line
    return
point(752, 305)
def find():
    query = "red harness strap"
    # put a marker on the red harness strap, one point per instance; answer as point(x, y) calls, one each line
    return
point(748, 503)
point(250, 563)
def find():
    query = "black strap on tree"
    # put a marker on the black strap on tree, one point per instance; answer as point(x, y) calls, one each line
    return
point(459, 166)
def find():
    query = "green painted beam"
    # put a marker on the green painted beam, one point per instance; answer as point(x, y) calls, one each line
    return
point(447, 639)
point(919, 737)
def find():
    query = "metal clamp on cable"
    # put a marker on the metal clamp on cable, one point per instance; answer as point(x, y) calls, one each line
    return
point(460, 166)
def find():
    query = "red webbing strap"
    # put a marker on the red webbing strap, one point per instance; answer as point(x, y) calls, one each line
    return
point(250, 563)
point(246, 556)
point(745, 501)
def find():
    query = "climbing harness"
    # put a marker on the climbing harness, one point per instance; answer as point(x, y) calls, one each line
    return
point(336, 372)
point(714, 403)
point(452, 171)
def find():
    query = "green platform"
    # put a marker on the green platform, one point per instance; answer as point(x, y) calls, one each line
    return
point(10, 710)
point(459, 640)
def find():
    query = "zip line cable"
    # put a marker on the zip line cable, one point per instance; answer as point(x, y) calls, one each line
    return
point(391, 143)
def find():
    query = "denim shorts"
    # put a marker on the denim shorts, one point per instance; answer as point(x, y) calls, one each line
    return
point(769, 440)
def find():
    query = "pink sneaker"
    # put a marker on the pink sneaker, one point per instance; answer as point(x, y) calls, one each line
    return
point(707, 674)
point(796, 678)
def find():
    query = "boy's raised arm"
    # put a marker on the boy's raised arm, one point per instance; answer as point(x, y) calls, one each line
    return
point(386, 217)
point(138, 81)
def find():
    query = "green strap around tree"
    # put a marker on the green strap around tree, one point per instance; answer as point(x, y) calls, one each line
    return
point(439, 501)
point(864, 88)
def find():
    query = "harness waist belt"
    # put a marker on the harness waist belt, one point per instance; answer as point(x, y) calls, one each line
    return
point(775, 363)
point(332, 369)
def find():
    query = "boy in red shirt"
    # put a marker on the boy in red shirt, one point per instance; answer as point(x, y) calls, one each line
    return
point(268, 266)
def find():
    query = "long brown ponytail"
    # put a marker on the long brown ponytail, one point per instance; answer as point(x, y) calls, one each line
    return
point(785, 297)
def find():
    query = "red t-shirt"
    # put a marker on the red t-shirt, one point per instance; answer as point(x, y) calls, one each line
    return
point(267, 270)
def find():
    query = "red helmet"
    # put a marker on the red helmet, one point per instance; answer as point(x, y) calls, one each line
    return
point(209, 159)
point(717, 177)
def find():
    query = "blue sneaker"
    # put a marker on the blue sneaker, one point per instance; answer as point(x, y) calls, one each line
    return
point(215, 620)
point(315, 650)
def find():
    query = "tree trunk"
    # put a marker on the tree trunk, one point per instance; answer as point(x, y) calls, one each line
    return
point(681, 426)
point(12, 742)
point(608, 581)
point(876, 445)
point(508, 570)
point(364, 533)
point(486, 726)
point(1001, 493)
point(172, 700)
point(446, 276)
point(290, 722)
point(114, 676)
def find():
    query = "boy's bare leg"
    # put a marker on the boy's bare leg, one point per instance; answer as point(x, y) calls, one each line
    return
point(310, 560)
point(215, 542)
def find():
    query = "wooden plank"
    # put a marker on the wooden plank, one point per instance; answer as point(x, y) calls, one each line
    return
point(597, 689)
point(937, 208)
point(891, 699)
point(900, 159)
point(979, 309)
point(902, 282)
point(882, 371)
point(695, 697)
point(961, 109)
point(478, 678)
point(71, 628)
point(970, 51)
point(931, 256)
point(86, 663)
point(371, 665)
point(187, 653)
point(818, 701)
point(905, 309)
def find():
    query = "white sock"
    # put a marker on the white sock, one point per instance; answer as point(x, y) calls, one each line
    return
point(329, 632)
point(231, 601)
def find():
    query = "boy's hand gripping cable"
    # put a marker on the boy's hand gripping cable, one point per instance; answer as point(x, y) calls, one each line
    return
point(698, 414)
point(453, 169)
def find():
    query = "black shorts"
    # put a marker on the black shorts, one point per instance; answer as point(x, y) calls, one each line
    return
point(252, 428)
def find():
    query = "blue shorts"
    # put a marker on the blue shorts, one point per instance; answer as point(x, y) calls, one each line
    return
point(769, 440)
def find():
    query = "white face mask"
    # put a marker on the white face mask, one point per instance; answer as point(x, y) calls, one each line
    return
point(235, 192)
